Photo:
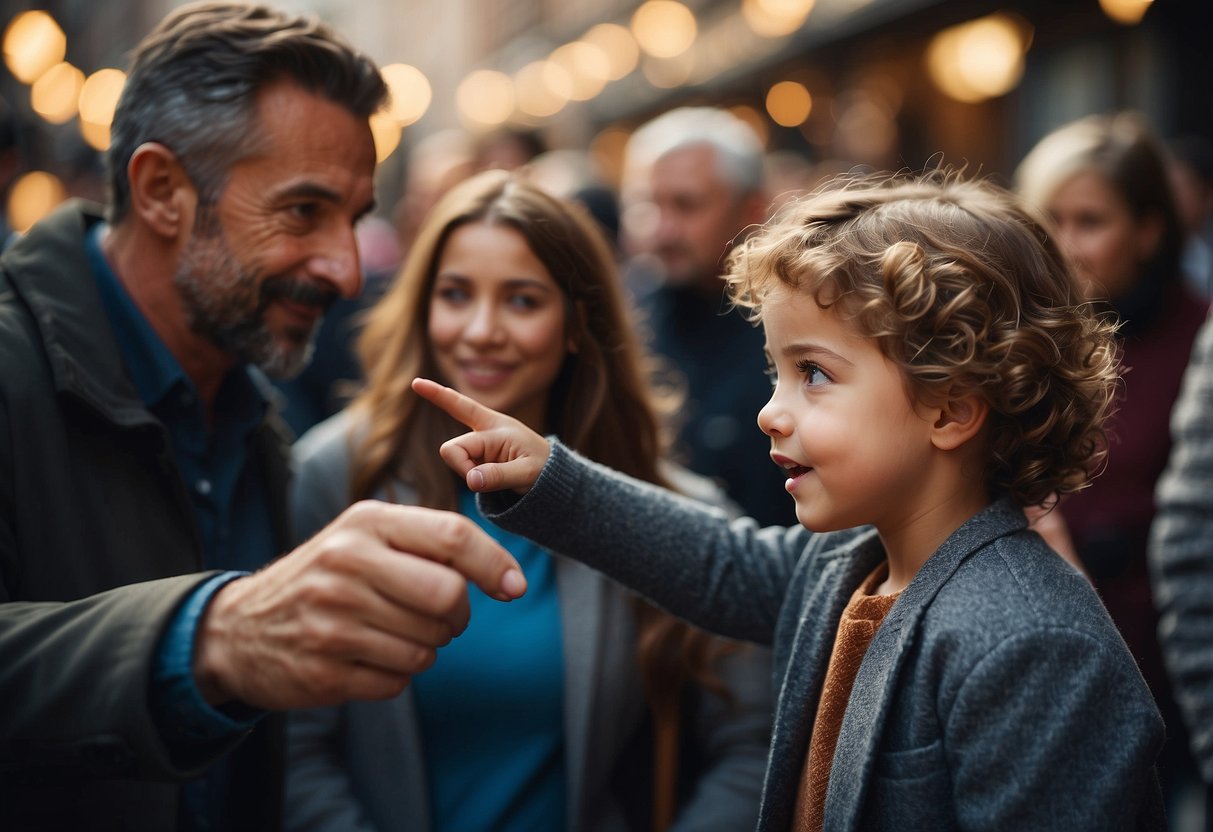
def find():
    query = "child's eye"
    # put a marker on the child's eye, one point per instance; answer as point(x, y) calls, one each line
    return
point(812, 372)
point(772, 373)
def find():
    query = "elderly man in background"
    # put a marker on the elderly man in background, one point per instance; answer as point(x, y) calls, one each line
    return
point(143, 475)
point(696, 174)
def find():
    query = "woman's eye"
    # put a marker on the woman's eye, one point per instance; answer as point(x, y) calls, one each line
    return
point(523, 302)
point(452, 294)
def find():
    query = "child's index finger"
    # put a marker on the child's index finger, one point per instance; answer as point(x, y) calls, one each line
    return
point(468, 411)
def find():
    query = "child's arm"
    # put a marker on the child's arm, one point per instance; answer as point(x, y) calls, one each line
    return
point(729, 578)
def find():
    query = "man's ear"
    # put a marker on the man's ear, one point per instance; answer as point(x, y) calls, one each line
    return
point(162, 195)
point(958, 420)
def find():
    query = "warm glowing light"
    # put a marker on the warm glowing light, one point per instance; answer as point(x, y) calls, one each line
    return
point(1125, 11)
point(99, 95)
point(409, 92)
point(775, 18)
point(485, 98)
point(789, 103)
point(96, 136)
point(978, 60)
point(33, 43)
point(588, 68)
point(385, 130)
point(618, 45)
point(33, 196)
point(56, 94)
point(664, 28)
point(541, 88)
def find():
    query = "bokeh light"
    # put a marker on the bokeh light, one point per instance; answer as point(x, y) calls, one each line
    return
point(485, 98)
point(1125, 11)
point(789, 103)
point(775, 18)
point(978, 60)
point(541, 88)
point(617, 43)
point(32, 197)
point(33, 43)
point(409, 92)
point(385, 130)
point(664, 28)
point(588, 68)
point(56, 94)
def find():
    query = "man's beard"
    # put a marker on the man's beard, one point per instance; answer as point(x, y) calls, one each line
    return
point(226, 304)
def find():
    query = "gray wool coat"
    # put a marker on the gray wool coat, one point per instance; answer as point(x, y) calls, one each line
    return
point(996, 695)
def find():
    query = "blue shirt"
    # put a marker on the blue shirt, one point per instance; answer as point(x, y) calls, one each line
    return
point(229, 501)
point(491, 708)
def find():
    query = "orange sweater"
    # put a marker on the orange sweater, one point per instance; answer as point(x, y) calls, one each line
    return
point(860, 620)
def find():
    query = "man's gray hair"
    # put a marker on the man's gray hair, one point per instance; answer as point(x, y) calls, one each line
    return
point(193, 83)
point(738, 149)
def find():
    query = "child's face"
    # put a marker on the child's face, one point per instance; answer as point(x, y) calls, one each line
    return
point(840, 420)
point(497, 322)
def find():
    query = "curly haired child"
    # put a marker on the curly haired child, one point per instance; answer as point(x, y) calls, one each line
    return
point(938, 666)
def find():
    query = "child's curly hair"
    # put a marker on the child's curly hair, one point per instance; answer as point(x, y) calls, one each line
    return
point(964, 289)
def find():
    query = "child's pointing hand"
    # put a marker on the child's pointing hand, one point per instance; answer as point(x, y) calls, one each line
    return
point(499, 453)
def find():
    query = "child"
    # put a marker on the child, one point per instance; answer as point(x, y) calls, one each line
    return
point(935, 372)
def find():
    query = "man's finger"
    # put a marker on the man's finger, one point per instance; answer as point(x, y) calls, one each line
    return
point(450, 539)
point(468, 411)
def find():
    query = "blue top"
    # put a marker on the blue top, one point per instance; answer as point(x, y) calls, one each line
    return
point(491, 709)
point(230, 509)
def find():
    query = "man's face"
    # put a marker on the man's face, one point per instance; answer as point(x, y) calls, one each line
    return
point(699, 214)
point(268, 258)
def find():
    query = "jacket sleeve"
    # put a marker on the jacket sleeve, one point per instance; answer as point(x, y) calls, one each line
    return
point(74, 682)
point(1053, 729)
point(731, 736)
point(728, 577)
point(1181, 552)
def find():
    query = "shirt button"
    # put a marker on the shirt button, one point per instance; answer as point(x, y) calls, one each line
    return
point(203, 487)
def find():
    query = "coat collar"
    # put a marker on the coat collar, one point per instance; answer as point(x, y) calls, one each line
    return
point(49, 270)
point(876, 682)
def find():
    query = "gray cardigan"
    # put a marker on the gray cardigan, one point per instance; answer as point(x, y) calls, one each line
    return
point(361, 766)
point(996, 695)
point(1181, 552)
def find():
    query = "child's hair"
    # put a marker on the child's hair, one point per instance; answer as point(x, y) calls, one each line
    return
point(964, 289)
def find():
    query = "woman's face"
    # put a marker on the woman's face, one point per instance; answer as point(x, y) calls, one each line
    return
point(497, 322)
point(1105, 242)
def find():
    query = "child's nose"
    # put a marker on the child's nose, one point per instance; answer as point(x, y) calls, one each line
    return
point(773, 419)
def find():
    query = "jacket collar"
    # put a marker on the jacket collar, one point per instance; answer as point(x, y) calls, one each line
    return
point(49, 270)
point(876, 682)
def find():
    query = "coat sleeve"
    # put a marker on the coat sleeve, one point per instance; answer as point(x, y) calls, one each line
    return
point(1053, 729)
point(727, 577)
point(74, 680)
point(1181, 552)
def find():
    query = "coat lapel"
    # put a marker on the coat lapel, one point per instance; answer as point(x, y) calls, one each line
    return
point(876, 682)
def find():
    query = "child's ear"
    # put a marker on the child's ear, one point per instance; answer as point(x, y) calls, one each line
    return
point(958, 420)
point(162, 194)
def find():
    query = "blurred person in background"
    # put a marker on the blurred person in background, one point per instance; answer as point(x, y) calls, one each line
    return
point(695, 180)
point(1104, 180)
point(1181, 557)
point(538, 720)
point(1191, 168)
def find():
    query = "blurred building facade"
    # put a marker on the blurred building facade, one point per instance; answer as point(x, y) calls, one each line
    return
point(886, 83)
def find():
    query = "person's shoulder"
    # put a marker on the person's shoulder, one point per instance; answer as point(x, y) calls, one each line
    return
point(1016, 583)
point(327, 441)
